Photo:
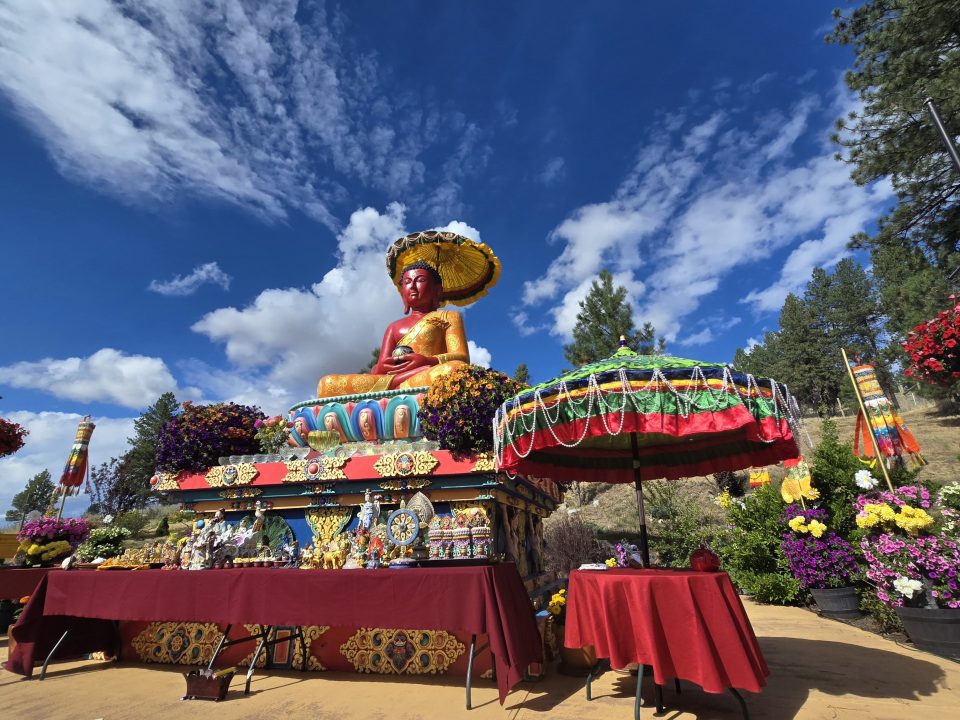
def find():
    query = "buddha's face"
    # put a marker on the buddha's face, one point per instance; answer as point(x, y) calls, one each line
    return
point(419, 290)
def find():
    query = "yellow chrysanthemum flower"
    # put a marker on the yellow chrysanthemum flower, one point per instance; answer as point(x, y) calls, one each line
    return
point(817, 528)
point(611, 562)
point(798, 524)
point(913, 519)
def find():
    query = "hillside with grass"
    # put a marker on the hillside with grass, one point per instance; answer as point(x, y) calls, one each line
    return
point(613, 508)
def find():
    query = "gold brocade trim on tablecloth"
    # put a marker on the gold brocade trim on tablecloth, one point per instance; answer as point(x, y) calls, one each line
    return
point(177, 643)
point(230, 475)
point(398, 651)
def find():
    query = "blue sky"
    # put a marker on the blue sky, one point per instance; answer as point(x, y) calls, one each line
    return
point(197, 196)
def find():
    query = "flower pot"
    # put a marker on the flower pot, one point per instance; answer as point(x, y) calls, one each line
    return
point(936, 631)
point(575, 661)
point(839, 603)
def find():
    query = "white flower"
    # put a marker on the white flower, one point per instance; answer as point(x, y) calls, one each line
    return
point(107, 519)
point(906, 587)
point(865, 480)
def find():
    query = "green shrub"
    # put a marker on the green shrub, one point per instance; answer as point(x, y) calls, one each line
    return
point(134, 521)
point(105, 542)
point(163, 527)
point(884, 615)
point(833, 469)
point(677, 522)
point(750, 548)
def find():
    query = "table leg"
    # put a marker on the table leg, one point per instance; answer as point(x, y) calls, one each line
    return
point(743, 704)
point(636, 702)
point(658, 697)
point(473, 645)
point(43, 670)
point(676, 684)
point(256, 656)
point(216, 653)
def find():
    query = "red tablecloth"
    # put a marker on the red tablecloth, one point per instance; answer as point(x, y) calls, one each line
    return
point(684, 624)
point(488, 600)
point(17, 582)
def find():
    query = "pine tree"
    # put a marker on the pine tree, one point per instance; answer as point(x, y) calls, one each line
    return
point(522, 374)
point(139, 463)
point(35, 496)
point(372, 362)
point(604, 316)
point(905, 51)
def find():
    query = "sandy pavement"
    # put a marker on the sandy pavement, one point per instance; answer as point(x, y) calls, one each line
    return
point(819, 669)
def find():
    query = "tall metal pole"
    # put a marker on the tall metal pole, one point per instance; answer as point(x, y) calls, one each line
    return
point(644, 541)
point(947, 140)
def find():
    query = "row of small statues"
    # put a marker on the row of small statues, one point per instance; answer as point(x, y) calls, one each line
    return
point(460, 537)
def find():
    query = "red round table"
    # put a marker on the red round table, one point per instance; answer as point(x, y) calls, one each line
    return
point(683, 624)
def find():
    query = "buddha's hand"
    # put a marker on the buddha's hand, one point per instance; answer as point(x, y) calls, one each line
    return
point(410, 361)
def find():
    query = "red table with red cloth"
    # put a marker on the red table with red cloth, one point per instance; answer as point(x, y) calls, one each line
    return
point(15, 583)
point(684, 624)
point(482, 600)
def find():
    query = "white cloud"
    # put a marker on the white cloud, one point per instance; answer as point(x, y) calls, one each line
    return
point(554, 171)
point(286, 339)
point(705, 200)
point(263, 105)
point(189, 284)
point(109, 376)
point(48, 445)
point(479, 355)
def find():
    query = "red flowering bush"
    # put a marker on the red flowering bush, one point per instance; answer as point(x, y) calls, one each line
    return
point(11, 437)
point(196, 438)
point(933, 348)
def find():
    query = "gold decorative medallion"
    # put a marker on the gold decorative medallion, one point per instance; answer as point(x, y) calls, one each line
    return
point(294, 470)
point(406, 464)
point(166, 481)
point(230, 475)
point(484, 463)
point(397, 651)
point(324, 469)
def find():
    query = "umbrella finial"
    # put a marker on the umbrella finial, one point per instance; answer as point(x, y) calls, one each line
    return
point(623, 341)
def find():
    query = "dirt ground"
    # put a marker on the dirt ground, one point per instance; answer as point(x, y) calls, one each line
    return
point(819, 669)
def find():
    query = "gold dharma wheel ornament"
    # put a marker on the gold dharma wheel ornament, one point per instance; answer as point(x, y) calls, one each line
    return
point(403, 526)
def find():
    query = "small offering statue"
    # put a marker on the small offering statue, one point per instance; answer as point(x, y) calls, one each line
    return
point(369, 511)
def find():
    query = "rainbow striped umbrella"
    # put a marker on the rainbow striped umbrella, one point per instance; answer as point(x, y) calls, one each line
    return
point(642, 417)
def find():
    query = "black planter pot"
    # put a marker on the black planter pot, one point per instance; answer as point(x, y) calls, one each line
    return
point(936, 631)
point(839, 603)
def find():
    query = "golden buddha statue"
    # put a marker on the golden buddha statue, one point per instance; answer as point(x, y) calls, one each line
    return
point(426, 342)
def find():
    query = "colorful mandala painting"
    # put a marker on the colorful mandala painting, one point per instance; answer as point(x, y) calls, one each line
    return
point(177, 643)
point(398, 651)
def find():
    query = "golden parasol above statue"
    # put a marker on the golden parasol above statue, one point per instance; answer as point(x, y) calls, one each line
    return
point(467, 268)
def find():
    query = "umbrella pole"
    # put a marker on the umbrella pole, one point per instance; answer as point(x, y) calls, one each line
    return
point(644, 543)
